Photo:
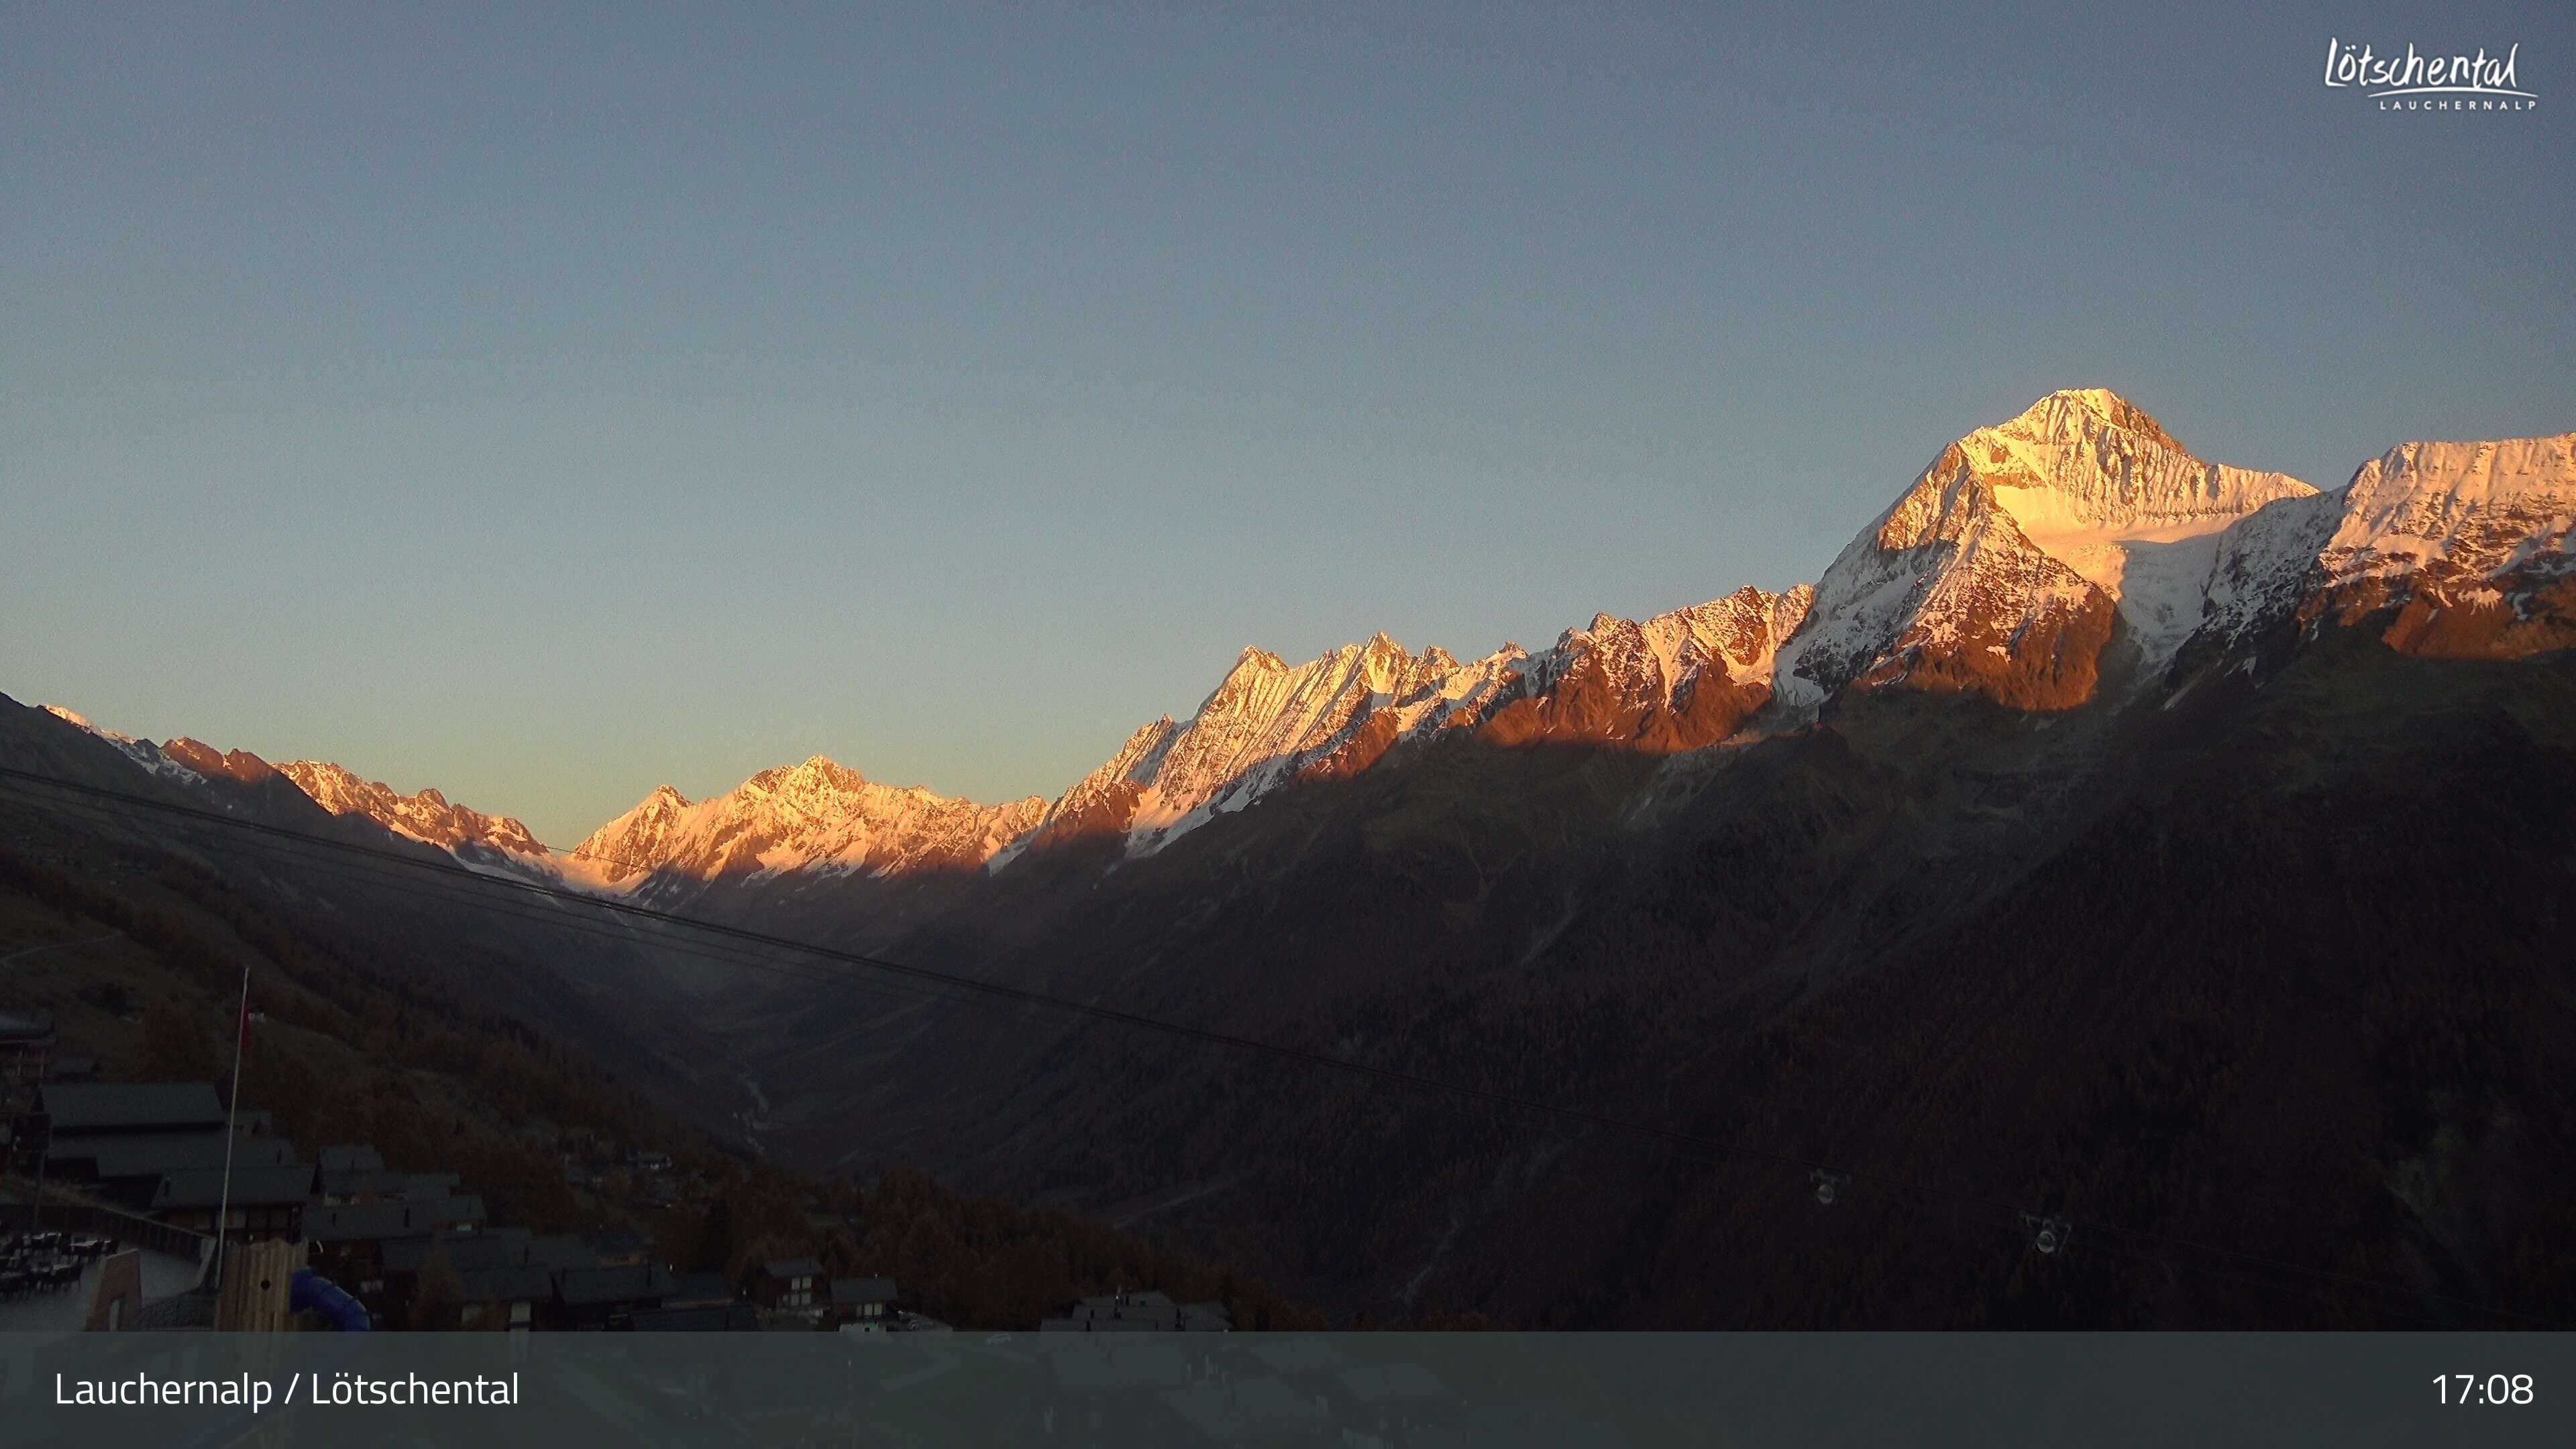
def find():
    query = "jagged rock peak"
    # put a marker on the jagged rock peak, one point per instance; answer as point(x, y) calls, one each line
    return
point(815, 819)
point(2070, 414)
point(2010, 562)
point(427, 816)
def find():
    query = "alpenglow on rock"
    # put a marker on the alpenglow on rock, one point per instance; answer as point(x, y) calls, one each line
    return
point(1673, 682)
point(2469, 544)
point(2005, 566)
point(818, 818)
point(426, 816)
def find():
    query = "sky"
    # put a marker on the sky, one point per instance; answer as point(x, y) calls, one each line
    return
point(545, 403)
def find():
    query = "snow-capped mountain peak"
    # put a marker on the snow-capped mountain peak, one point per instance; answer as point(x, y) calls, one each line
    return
point(2006, 565)
point(1675, 681)
point(818, 819)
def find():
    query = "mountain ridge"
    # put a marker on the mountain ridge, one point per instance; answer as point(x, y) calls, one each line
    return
point(2007, 568)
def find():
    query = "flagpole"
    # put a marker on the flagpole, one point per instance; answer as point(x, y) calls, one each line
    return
point(232, 1109)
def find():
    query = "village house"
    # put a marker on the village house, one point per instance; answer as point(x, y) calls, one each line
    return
point(260, 1202)
point(597, 1298)
point(862, 1303)
point(789, 1285)
point(504, 1295)
point(349, 1241)
point(700, 1290)
point(1139, 1312)
point(128, 1168)
point(104, 1109)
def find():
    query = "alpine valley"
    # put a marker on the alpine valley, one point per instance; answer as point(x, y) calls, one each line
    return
point(2179, 848)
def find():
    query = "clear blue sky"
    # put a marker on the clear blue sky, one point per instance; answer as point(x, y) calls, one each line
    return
point(545, 403)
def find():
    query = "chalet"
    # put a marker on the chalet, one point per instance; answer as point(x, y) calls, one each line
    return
point(700, 1290)
point(1126, 1313)
point(1142, 1312)
point(862, 1302)
point(379, 1222)
point(259, 1202)
point(484, 1248)
point(790, 1285)
point(349, 1241)
point(352, 1172)
point(394, 1283)
point(129, 1167)
point(341, 1186)
point(137, 1108)
point(351, 1157)
point(431, 1186)
point(596, 1298)
point(504, 1295)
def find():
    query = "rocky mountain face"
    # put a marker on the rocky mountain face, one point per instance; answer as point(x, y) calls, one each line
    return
point(1673, 682)
point(426, 816)
point(2469, 542)
point(206, 772)
point(817, 820)
point(2005, 567)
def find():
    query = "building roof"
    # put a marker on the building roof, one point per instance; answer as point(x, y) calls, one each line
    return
point(700, 1290)
point(150, 1154)
point(352, 1157)
point(507, 1283)
point(627, 1283)
point(499, 1248)
point(1137, 1316)
point(251, 1187)
point(130, 1106)
point(561, 1250)
point(615, 1244)
point(792, 1268)
point(371, 1221)
point(849, 1291)
point(360, 1181)
point(430, 1186)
